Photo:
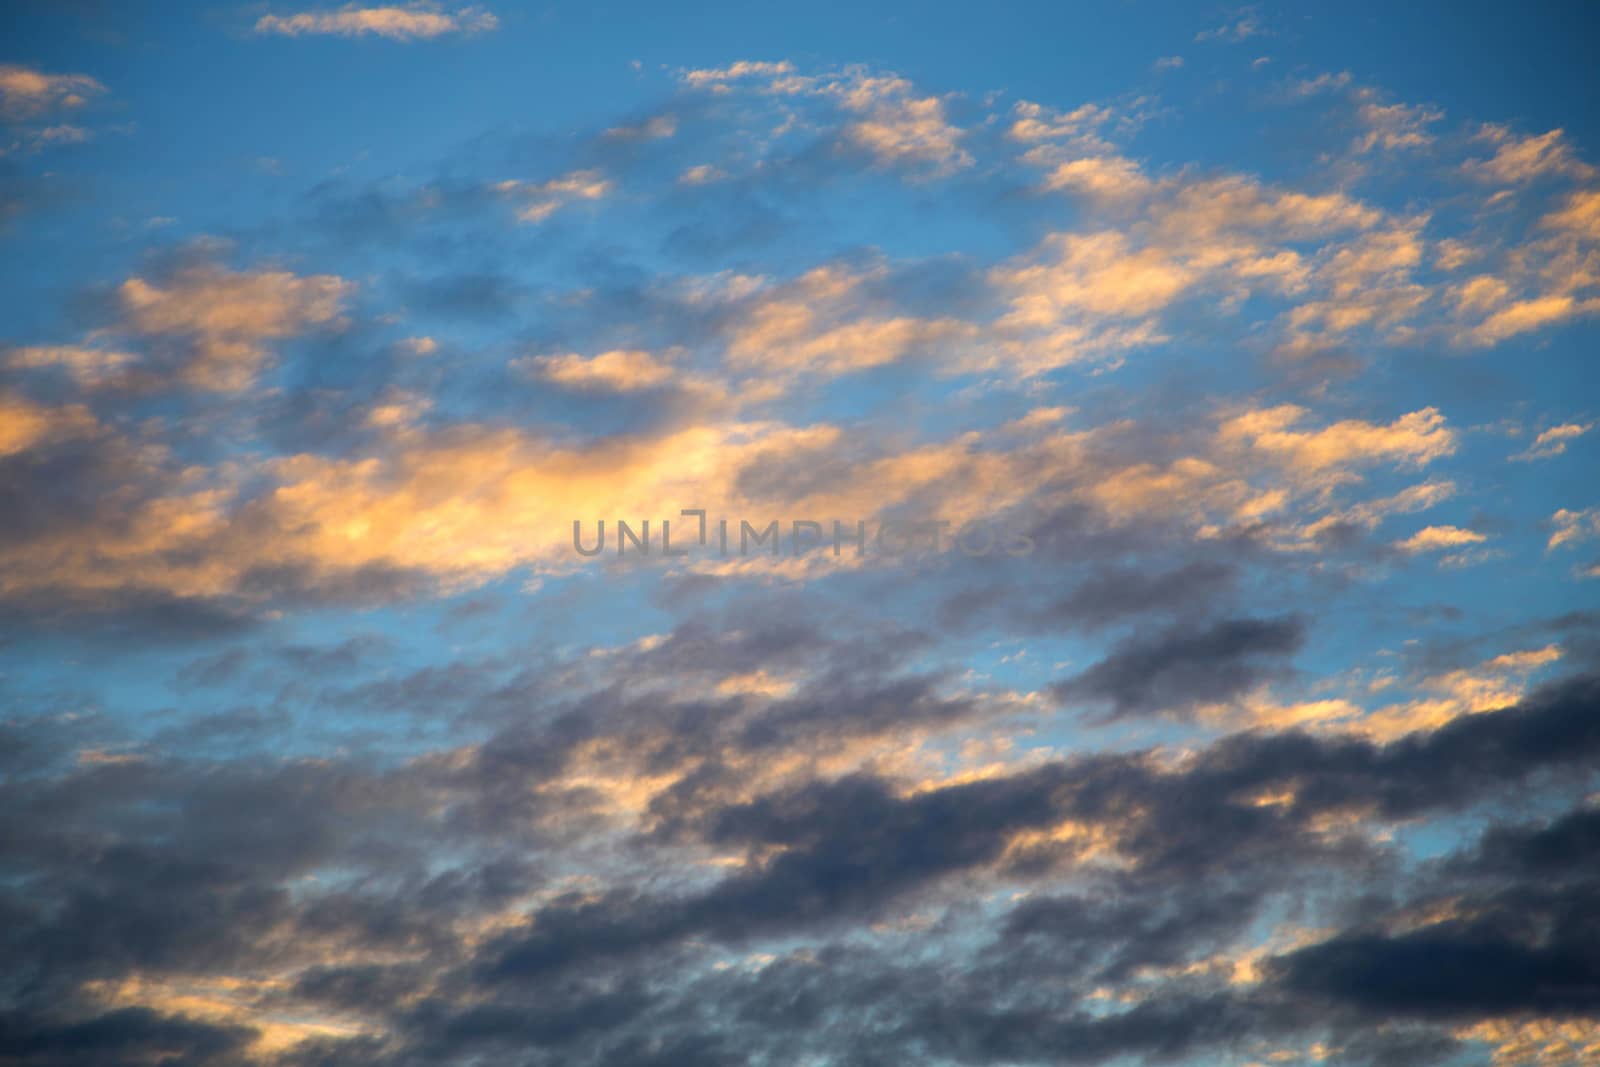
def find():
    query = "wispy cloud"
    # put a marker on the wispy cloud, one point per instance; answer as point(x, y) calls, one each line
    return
point(537, 201)
point(410, 22)
point(1554, 441)
point(26, 93)
point(1241, 26)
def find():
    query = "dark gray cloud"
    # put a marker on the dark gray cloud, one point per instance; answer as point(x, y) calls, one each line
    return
point(161, 866)
point(1519, 934)
point(1172, 670)
point(1465, 969)
point(1112, 594)
point(131, 1035)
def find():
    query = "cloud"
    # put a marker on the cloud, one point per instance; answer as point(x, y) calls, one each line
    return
point(1102, 177)
point(701, 174)
point(1229, 237)
point(451, 506)
point(1115, 594)
point(411, 22)
point(540, 200)
point(826, 830)
point(1094, 273)
point(744, 68)
point(880, 115)
point(27, 94)
point(1521, 159)
point(1340, 270)
point(898, 128)
point(1498, 682)
point(1434, 538)
point(324, 747)
point(1394, 126)
point(1570, 526)
point(1468, 967)
point(459, 508)
point(125, 1035)
point(1553, 441)
point(225, 318)
point(1522, 316)
point(1243, 25)
point(216, 913)
point(1386, 126)
point(826, 322)
point(620, 371)
point(1174, 670)
point(1034, 122)
point(28, 425)
point(654, 128)
point(91, 368)
point(1580, 216)
point(1416, 438)
point(38, 139)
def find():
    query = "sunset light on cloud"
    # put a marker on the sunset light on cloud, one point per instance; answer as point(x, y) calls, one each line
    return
point(557, 535)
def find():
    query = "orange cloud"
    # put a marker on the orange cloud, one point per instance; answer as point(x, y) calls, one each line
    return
point(540, 200)
point(622, 371)
point(229, 316)
point(27, 94)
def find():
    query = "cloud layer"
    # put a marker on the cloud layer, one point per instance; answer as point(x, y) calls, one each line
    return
point(1262, 731)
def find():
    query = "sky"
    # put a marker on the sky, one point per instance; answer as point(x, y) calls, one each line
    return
point(827, 534)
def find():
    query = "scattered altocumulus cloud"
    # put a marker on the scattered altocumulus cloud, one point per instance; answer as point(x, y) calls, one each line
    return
point(338, 752)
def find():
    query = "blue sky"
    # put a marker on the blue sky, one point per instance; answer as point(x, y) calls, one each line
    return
point(1270, 328)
